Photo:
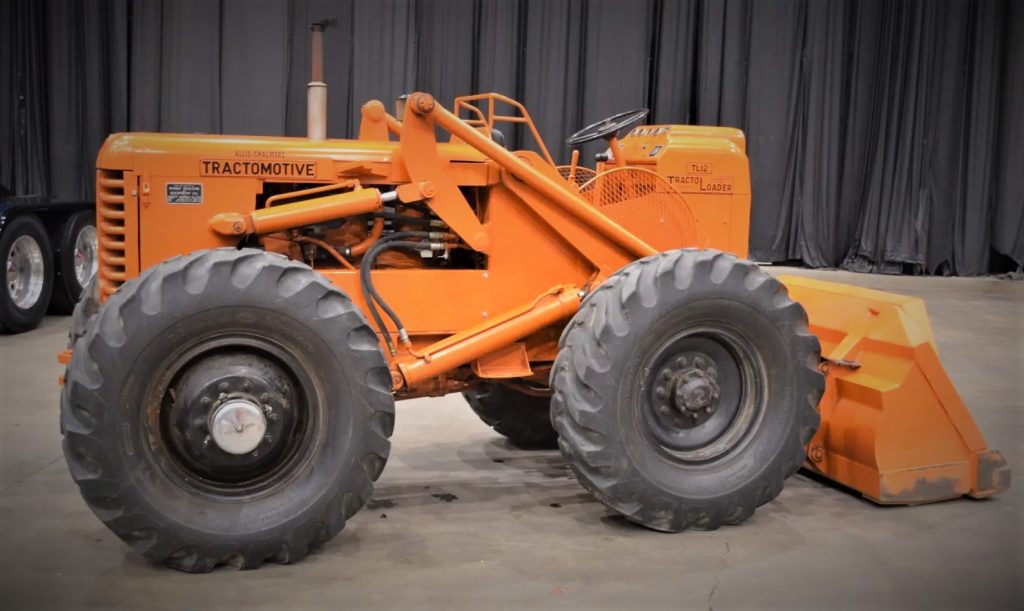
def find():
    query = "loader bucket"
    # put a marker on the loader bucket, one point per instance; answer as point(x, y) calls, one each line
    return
point(893, 427)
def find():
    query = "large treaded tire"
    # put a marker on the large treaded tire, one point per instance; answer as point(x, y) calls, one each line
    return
point(596, 398)
point(84, 311)
point(123, 474)
point(523, 419)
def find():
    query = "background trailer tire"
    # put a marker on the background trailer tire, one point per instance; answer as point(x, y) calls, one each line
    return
point(227, 407)
point(28, 274)
point(523, 419)
point(686, 389)
point(74, 259)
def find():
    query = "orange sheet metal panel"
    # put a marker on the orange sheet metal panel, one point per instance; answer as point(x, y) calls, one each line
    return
point(893, 426)
point(709, 166)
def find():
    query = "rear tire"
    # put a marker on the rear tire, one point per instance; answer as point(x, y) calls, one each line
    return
point(27, 276)
point(75, 260)
point(523, 419)
point(199, 355)
point(686, 388)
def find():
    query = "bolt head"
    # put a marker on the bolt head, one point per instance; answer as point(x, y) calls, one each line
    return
point(681, 362)
point(223, 387)
point(424, 103)
point(699, 362)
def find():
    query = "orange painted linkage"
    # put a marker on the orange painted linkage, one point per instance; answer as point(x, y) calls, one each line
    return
point(554, 306)
point(555, 191)
point(297, 214)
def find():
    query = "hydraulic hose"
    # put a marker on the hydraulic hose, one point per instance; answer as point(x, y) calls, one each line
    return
point(370, 293)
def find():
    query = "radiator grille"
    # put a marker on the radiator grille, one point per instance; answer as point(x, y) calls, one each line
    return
point(110, 230)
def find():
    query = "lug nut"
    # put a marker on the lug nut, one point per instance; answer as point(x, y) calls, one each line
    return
point(661, 392)
point(699, 362)
point(265, 398)
point(223, 387)
point(663, 410)
point(205, 402)
point(681, 362)
point(247, 386)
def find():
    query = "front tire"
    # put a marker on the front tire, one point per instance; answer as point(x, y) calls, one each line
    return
point(686, 388)
point(227, 407)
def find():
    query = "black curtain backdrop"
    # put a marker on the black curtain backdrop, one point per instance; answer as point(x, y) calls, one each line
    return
point(884, 135)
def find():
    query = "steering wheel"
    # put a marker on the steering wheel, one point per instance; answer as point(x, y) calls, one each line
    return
point(607, 127)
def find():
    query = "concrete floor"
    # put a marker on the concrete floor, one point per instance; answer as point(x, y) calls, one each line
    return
point(519, 532)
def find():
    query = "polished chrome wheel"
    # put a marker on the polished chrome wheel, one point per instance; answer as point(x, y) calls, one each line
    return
point(85, 255)
point(25, 272)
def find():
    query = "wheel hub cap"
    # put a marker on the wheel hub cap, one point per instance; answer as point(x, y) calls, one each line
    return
point(85, 255)
point(233, 417)
point(696, 390)
point(690, 385)
point(24, 272)
point(702, 393)
point(238, 426)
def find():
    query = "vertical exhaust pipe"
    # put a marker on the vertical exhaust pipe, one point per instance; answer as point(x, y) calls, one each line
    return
point(316, 90)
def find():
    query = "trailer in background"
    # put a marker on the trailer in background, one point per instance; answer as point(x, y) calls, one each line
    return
point(48, 250)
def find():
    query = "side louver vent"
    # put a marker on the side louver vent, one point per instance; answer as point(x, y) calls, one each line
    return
point(110, 230)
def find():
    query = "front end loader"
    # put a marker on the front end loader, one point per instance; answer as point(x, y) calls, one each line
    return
point(261, 303)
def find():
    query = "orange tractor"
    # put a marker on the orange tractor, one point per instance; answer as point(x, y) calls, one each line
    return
point(262, 302)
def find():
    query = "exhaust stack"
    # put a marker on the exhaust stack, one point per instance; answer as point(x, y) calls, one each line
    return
point(316, 90)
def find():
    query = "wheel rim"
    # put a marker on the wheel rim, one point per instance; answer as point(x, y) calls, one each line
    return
point(702, 393)
point(25, 272)
point(85, 255)
point(232, 417)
